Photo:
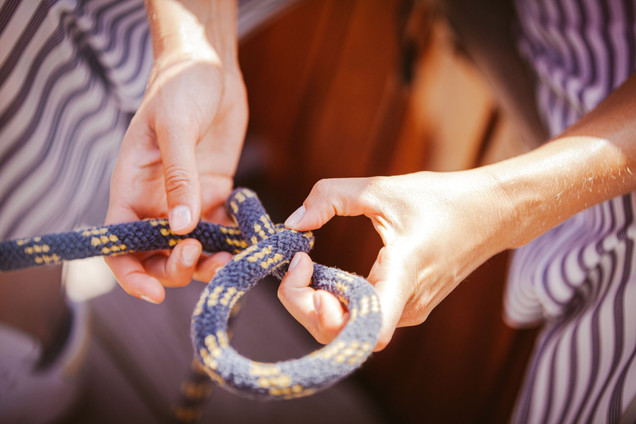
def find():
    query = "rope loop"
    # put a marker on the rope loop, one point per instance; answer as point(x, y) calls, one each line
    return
point(260, 248)
point(270, 250)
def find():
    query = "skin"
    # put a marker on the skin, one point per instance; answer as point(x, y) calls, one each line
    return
point(438, 227)
point(186, 135)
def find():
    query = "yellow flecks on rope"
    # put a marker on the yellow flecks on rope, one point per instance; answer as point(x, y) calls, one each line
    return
point(271, 261)
point(94, 231)
point(343, 287)
point(213, 346)
point(173, 242)
point(165, 232)
point(112, 244)
point(208, 361)
point(360, 353)
point(230, 230)
point(309, 235)
point(328, 351)
point(234, 207)
point(46, 259)
point(267, 222)
point(223, 339)
point(43, 248)
point(244, 253)
point(259, 230)
point(342, 352)
point(158, 221)
point(279, 381)
point(228, 295)
point(291, 392)
point(259, 369)
point(199, 307)
point(343, 276)
point(270, 377)
point(214, 296)
point(236, 242)
point(364, 306)
point(260, 254)
point(209, 366)
point(353, 314)
point(375, 304)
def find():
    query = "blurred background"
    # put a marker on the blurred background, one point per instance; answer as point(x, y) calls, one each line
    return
point(344, 89)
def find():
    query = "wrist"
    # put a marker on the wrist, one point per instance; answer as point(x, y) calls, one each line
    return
point(196, 31)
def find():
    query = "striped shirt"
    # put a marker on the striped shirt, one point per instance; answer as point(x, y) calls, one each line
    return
point(578, 279)
point(72, 73)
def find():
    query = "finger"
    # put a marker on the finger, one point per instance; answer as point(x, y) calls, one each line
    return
point(181, 178)
point(300, 300)
point(132, 277)
point(128, 269)
point(176, 269)
point(388, 275)
point(208, 267)
point(331, 317)
point(330, 197)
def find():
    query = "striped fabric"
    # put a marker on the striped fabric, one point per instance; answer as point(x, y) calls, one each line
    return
point(72, 73)
point(578, 279)
point(70, 77)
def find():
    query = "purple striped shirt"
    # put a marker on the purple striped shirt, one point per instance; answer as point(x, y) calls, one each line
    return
point(578, 279)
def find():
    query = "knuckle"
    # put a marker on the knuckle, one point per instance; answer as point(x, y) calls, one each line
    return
point(177, 179)
point(373, 187)
point(322, 187)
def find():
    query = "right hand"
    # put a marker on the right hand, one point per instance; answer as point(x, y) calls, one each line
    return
point(187, 134)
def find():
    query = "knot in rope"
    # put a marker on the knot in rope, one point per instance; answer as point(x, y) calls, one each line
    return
point(260, 248)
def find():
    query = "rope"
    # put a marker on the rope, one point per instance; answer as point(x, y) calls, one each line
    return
point(260, 248)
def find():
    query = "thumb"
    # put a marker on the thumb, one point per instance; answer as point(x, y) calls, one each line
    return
point(330, 197)
point(388, 276)
point(181, 179)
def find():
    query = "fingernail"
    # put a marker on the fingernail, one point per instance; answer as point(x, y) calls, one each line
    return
point(189, 255)
point(295, 217)
point(179, 217)
point(147, 299)
point(294, 262)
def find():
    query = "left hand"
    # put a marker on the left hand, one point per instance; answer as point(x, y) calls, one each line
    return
point(436, 228)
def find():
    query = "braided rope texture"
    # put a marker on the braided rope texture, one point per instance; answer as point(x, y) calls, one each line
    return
point(260, 248)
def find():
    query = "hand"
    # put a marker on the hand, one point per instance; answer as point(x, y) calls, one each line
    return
point(186, 135)
point(436, 229)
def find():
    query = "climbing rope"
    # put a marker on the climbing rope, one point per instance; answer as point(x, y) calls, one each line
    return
point(260, 248)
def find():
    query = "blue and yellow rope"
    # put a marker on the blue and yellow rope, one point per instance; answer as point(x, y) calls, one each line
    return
point(260, 248)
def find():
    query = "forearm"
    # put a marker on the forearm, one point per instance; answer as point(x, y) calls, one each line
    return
point(589, 163)
point(202, 29)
